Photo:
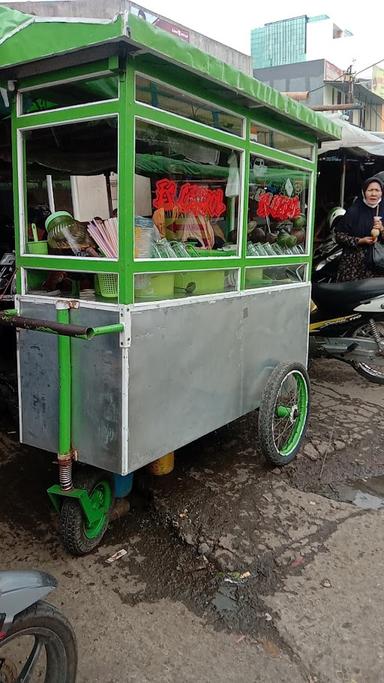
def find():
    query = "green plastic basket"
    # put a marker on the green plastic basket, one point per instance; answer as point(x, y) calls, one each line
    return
point(107, 285)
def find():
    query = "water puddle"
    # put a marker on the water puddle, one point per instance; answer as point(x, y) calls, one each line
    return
point(367, 494)
point(226, 600)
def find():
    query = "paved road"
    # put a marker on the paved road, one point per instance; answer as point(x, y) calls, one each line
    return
point(233, 572)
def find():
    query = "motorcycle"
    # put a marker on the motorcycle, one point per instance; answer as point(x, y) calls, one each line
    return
point(7, 278)
point(347, 318)
point(37, 643)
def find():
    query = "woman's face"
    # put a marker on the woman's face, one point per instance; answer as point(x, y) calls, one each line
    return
point(373, 193)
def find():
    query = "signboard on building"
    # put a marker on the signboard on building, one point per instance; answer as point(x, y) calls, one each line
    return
point(164, 24)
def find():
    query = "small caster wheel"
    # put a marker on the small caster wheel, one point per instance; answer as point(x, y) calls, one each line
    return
point(78, 536)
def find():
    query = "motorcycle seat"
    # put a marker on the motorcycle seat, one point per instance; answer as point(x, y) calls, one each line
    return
point(343, 297)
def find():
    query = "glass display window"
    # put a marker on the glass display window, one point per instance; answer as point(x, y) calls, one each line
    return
point(274, 276)
point(285, 143)
point(71, 189)
point(102, 287)
point(180, 285)
point(81, 91)
point(277, 209)
point(187, 195)
point(164, 97)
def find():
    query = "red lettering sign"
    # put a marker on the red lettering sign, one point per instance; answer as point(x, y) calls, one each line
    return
point(278, 206)
point(198, 200)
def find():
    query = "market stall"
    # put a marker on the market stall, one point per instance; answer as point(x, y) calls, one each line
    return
point(164, 290)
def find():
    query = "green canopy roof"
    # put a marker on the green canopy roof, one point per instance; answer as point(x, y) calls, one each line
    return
point(56, 43)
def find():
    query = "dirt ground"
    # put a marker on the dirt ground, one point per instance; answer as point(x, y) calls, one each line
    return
point(234, 571)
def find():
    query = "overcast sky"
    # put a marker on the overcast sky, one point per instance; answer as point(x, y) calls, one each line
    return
point(231, 22)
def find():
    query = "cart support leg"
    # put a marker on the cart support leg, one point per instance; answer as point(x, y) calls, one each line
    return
point(65, 428)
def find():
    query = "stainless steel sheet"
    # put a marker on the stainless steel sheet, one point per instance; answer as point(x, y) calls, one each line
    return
point(97, 392)
point(38, 380)
point(198, 366)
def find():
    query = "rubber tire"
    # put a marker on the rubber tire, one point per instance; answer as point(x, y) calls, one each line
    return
point(71, 525)
point(374, 379)
point(267, 413)
point(61, 667)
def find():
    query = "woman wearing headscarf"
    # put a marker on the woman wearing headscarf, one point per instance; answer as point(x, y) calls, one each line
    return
point(354, 232)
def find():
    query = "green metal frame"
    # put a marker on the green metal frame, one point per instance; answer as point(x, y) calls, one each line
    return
point(127, 110)
point(91, 514)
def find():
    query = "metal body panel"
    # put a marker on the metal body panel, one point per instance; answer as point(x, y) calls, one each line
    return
point(96, 385)
point(97, 392)
point(195, 367)
point(38, 380)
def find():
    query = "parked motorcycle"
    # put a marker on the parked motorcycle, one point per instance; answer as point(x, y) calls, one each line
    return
point(7, 278)
point(348, 321)
point(37, 643)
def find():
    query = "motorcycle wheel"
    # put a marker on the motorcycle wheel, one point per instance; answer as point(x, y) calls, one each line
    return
point(371, 372)
point(39, 646)
point(284, 412)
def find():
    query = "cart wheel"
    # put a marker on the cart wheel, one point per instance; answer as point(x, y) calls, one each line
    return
point(284, 412)
point(78, 537)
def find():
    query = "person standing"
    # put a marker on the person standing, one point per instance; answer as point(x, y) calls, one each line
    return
point(354, 233)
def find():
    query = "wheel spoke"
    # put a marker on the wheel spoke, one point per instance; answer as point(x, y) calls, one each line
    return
point(29, 666)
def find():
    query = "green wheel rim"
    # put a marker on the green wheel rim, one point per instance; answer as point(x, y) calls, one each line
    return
point(101, 501)
point(291, 410)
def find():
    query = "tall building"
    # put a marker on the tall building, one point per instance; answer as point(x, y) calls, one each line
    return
point(299, 39)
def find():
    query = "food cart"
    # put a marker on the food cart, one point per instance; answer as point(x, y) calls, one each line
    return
point(167, 291)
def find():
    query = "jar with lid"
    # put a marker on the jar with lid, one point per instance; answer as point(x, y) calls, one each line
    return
point(67, 236)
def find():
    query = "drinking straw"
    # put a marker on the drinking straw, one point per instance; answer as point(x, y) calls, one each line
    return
point(34, 233)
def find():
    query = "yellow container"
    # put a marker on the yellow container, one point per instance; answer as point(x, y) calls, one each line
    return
point(163, 465)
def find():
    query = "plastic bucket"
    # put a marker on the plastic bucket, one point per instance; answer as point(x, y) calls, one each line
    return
point(154, 287)
point(40, 247)
point(122, 484)
point(206, 282)
point(162, 465)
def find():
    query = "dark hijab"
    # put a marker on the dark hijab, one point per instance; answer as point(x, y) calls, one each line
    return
point(358, 219)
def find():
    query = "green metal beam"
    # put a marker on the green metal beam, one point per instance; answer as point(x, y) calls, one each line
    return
point(65, 372)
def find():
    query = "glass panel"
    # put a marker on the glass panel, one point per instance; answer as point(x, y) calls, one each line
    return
point(87, 286)
point(274, 276)
point(277, 209)
point(286, 143)
point(69, 94)
point(157, 286)
point(164, 97)
point(186, 193)
point(71, 181)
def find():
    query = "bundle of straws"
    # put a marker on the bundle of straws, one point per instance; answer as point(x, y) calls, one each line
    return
point(104, 233)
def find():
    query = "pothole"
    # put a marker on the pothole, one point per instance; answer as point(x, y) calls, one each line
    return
point(366, 493)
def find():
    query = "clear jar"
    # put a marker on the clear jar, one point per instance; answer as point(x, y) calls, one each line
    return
point(66, 235)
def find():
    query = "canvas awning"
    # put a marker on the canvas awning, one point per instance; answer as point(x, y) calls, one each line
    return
point(29, 43)
point(353, 138)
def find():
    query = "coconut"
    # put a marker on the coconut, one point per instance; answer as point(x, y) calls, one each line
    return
point(257, 235)
point(271, 237)
point(299, 233)
point(299, 221)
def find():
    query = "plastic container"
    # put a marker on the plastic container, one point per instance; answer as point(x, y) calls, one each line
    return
point(40, 247)
point(206, 282)
point(154, 287)
point(254, 282)
point(144, 235)
point(107, 285)
point(162, 465)
point(122, 484)
point(65, 234)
